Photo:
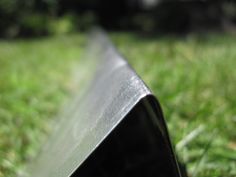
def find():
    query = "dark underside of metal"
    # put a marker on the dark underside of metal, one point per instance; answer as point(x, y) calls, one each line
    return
point(137, 147)
point(114, 127)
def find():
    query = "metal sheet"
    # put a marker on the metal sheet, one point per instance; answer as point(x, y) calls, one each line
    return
point(110, 90)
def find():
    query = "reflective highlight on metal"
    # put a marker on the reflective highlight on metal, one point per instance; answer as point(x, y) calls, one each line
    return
point(114, 127)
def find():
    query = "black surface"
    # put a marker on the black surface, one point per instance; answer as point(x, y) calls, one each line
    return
point(135, 148)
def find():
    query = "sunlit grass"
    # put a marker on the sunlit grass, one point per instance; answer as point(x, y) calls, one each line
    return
point(194, 78)
point(35, 79)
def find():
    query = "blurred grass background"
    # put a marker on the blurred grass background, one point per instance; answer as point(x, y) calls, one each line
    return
point(193, 77)
point(35, 79)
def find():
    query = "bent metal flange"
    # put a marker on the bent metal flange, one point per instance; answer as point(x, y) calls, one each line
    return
point(114, 127)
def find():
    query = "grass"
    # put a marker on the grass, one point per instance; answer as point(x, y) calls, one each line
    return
point(193, 77)
point(35, 79)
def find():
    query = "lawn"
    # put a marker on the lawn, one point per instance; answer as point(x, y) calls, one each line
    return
point(36, 78)
point(193, 77)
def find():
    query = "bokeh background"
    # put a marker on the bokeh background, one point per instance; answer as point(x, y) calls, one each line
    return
point(30, 18)
point(184, 50)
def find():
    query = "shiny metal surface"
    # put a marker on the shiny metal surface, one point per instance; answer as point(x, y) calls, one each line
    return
point(110, 90)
